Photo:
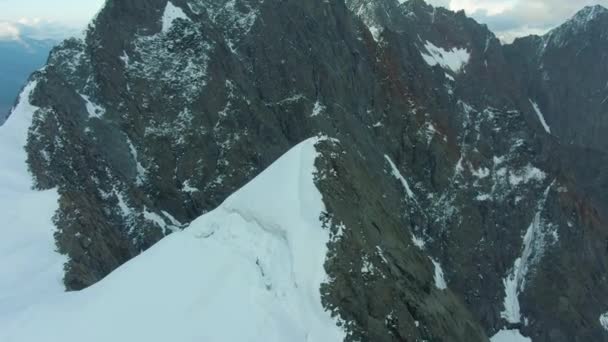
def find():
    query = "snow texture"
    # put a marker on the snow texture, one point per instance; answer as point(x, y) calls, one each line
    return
point(440, 282)
point(395, 172)
point(94, 110)
point(30, 269)
point(317, 109)
point(250, 270)
point(171, 14)
point(533, 249)
point(509, 336)
point(541, 117)
point(454, 59)
point(604, 321)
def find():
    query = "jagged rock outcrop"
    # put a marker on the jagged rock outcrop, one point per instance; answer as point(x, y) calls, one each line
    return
point(459, 215)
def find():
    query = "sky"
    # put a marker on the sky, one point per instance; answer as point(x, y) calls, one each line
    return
point(507, 18)
point(45, 18)
point(515, 18)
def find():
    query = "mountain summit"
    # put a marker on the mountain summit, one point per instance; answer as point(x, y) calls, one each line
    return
point(316, 170)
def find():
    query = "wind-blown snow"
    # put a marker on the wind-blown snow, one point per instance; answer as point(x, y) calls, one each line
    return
point(541, 117)
point(250, 270)
point(30, 269)
point(454, 59)
point(170, 14)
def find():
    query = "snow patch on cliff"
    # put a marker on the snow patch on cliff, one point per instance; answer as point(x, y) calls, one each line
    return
point(535, 241)
point(454, 59)
point(604, 321)
point(255, 262)
point(541, 117)
point(171, 14)
point(440, 282)
point(395, 172)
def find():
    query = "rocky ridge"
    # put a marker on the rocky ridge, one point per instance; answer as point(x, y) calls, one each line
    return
point(460, 215)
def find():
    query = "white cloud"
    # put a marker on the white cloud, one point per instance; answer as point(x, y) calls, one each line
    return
point(34, 28)
point(491, 7)
point(515, 18)
point(8, 31)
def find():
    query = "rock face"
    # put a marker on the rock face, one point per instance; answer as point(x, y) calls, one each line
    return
point(459, 211)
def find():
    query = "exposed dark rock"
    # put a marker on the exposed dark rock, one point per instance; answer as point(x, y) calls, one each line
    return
point(440, 162)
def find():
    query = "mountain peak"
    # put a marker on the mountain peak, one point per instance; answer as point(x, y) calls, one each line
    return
point(581, 22)
point(588, 14)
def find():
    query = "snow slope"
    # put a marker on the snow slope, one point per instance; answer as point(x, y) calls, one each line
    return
point(250, 270)
point(30, 269)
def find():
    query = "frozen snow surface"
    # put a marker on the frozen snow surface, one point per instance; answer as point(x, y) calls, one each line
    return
point(454, 59)
point(439, 278)
point(172, 13)
point(604, 321)
point(541, 117)
point(250, 270)
point(395, 172)
point(509, 336)
point(30, 269)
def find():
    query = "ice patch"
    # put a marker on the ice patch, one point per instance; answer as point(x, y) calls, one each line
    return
point(533, 250)
point(395, 172)
point(317, 109)
point(481, 173)
point(186, 187)
point(540, 115)
point(156, 219)
point(440, 282)
point(418, 242)
point(454, 59)
point(525, 175)
point(604, 321)
point(94, 110)
point(141, 171)
point(510, 336)
point(376, 32)
point(255, 263)
point(171, 14)
point(125, 58)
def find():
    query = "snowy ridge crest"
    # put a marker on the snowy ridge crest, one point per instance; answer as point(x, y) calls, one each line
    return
point(255, 262)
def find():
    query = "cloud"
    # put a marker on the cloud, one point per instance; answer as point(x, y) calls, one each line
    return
point(34, 28)
point(8, 31)
point(515, 18)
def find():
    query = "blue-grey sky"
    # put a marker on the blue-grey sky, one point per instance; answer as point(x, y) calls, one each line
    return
point(507, 18)
point(515, 18)
point(45, 18)
point(67, 12)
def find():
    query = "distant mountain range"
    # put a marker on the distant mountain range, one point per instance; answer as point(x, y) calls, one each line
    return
point(18, 59)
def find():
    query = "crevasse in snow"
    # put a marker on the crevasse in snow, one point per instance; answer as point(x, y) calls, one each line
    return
point(250, 270)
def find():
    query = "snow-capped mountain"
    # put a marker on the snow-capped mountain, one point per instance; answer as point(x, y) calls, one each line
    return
point(317, 170)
